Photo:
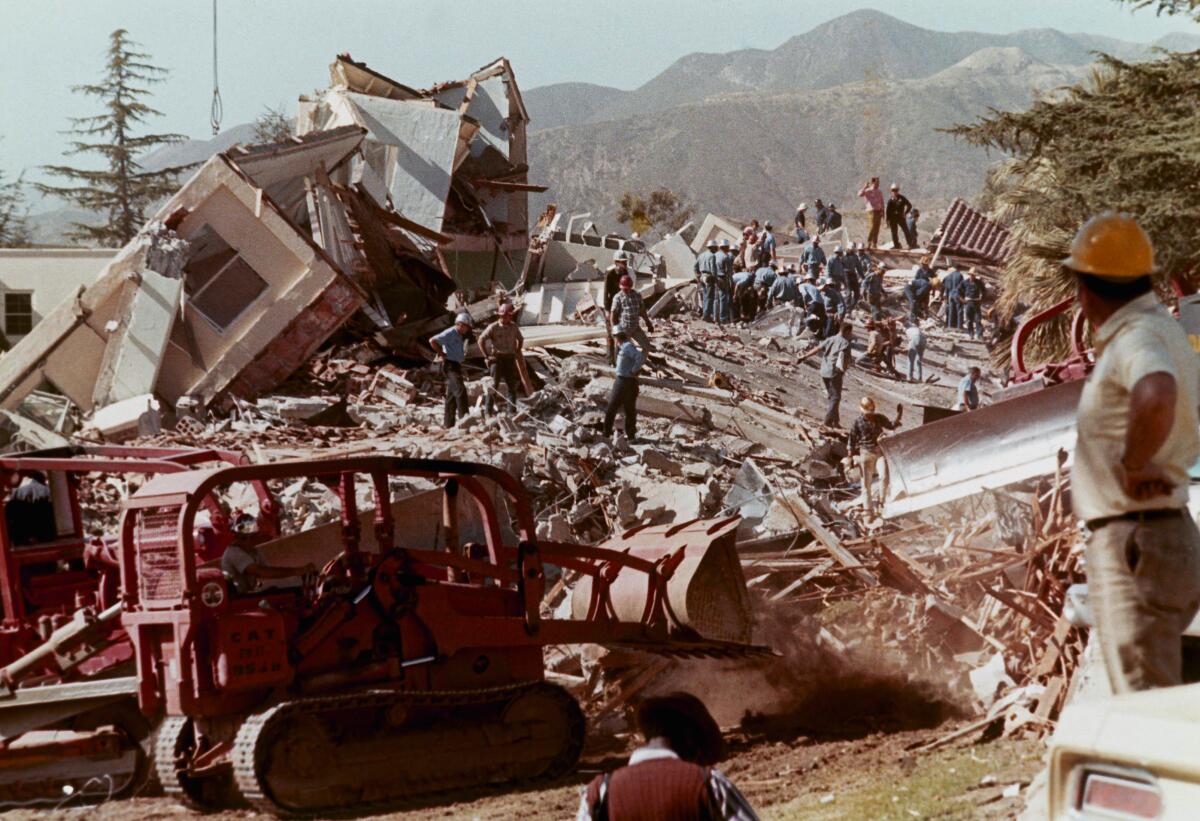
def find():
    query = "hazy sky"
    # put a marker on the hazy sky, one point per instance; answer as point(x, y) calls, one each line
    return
point(273, 50)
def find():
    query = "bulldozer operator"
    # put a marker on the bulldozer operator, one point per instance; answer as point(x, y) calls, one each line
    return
point(244, 566)
point(1137, 435)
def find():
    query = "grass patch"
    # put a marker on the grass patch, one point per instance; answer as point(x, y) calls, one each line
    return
point(942, 784)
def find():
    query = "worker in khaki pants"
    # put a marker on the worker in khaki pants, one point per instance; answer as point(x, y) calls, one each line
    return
point(1136, 438)
point(863, 445)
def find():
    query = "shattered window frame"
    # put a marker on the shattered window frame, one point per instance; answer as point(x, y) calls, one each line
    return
point(196, 297)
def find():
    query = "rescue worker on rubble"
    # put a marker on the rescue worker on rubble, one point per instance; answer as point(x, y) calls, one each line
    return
point(854, 276)
point(671, 776)
point(801, 232)
point(625, 387)
point(814, 305)
point(743, 281)
point(628, 309)
point(766, 245)
point(1137, 437)
point(784, 291)
point(451, 346)
point(724, 282)
point(765, 276)
point(836, 269)
point(951, 284)
point(872, 291)
point(971, 295)
point(968, 390)
point(612, 276)
point(896, 212)
point(863, 446)
point(917, 292)
point(813, 253)
point(705, 268)
point(501, 343)
point(835, 308)
point(835, 360)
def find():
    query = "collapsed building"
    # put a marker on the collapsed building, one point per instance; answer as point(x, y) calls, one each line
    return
point(451, 158)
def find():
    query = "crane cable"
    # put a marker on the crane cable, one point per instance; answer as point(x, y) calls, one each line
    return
point(216, 111)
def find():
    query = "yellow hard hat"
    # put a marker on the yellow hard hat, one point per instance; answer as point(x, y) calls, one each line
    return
point(867, 404)
point(1111, 245)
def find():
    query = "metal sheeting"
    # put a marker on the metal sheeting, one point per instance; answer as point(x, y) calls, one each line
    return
point(985, 449)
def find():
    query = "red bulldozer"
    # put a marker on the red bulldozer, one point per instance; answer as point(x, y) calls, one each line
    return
point(69, 719)
point(412, 662)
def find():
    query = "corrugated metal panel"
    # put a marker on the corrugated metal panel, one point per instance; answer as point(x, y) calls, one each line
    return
point(968, 232)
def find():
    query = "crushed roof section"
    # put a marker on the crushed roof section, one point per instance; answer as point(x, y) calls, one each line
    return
point(967, 232)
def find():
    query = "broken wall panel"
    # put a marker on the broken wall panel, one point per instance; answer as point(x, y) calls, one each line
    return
point(452, 158)
point(421, 141)
point(253, 276)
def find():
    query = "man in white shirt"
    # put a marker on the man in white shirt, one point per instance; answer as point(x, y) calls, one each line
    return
point(1137, 436)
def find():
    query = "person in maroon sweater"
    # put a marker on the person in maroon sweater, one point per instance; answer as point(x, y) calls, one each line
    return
point(670, 778)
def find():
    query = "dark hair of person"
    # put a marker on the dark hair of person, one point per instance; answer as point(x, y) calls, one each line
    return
point(1115, 291)
point(685, 723)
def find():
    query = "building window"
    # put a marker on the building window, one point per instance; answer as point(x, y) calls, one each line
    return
point(18, 314)
point(220, 284)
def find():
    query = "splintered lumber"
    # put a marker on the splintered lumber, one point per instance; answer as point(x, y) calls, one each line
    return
point(809, 521)
point(905, 576)
point(1011, 603)
point(812, 574)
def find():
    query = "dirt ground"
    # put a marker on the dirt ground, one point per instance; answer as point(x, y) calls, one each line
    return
point(860, 775)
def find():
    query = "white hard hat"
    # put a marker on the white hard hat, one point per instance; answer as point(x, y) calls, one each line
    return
point(802, 206)
point(837, 249)
point(724, 243)
point(620, 256)
point(464, 318)
point(712, 243)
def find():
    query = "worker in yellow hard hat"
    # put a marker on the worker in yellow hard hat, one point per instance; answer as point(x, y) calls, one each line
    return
point(863, 446)
point(1137, 435)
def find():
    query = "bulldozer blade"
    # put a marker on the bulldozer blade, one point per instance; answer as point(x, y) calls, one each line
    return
point(707, 590)
point(995, 446)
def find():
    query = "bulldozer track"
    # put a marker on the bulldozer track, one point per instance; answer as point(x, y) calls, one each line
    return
point(250, 752)
point(200, 794)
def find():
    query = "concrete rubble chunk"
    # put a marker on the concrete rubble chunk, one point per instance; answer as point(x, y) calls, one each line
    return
point(655, 459)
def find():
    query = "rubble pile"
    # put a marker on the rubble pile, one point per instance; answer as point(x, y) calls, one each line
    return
point(971, 597)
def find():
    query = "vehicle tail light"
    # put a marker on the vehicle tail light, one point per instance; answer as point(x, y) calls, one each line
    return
point(1111, 796)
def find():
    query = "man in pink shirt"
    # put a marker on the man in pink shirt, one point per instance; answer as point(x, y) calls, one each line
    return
point(874, 197)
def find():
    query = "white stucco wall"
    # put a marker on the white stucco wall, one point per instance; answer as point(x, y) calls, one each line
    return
point(50, 274)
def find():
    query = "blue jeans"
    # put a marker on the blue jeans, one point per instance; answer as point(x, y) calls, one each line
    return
point(916, 358)
point(710, 300)
point(953, 311)
point(724, 309)
point(973, 319)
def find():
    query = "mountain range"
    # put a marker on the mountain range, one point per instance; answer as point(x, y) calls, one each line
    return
point(753, 131)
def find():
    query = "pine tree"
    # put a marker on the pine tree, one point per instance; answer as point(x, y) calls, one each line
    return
point(123, 191)
point(273, 126)
point(1128, 139)
point(14, 232)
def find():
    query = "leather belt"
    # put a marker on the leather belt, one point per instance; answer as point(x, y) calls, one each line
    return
point(1137, 516)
